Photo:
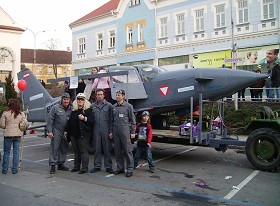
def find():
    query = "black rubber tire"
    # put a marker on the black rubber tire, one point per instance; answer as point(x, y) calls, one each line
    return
point(263, 149)
point(160, 122)
point(165, 124)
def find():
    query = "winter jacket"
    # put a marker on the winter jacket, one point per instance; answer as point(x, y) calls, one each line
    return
point(11, 124)
point(102, 82)
point(275, 76)
point(80, 128)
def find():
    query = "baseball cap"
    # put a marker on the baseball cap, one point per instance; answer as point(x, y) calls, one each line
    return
point(81, 95)
point(120, 92)
point(65, 95)
point(145, 113)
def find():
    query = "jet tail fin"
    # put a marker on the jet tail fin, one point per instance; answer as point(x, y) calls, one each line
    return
point(35, 97)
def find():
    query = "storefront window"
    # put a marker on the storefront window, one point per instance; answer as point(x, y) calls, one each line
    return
point(173, 60)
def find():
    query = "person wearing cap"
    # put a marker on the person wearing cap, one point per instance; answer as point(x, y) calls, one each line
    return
point(79, 131)
point(144, 141)
point(56, 122)
point(123, 129)
point(102, 132)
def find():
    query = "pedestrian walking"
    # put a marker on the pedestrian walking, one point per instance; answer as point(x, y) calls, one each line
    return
point(13, 121)
point(123, 129)
point(56, 122)
point(102, 132)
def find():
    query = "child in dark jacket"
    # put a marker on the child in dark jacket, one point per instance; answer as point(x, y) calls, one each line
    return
point(144, 140)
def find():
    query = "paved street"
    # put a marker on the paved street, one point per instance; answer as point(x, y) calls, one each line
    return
point(185, 175)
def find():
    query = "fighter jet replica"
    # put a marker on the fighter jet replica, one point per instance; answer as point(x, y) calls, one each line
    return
point(148, 87)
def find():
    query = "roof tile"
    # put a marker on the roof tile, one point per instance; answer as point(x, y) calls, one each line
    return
point(46, 56)
point(104, 9)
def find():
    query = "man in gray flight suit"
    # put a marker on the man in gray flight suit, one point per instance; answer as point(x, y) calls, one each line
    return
point(124, 124)
point(56, 122)
point(102, 131)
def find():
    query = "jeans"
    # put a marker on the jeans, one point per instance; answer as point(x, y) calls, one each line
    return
point(8, 141)
point(275, 93)
point(139, 150)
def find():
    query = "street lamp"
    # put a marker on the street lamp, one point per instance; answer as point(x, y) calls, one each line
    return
point(35, 36)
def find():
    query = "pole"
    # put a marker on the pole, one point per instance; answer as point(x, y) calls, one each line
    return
point(21, 152)
point(22, 140)
point(34, 49)
point(233, 55)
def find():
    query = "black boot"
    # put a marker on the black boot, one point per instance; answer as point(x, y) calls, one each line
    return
point(52, 171)
point(62, 167)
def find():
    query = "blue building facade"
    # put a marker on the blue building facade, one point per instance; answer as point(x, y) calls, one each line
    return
point(175, 34)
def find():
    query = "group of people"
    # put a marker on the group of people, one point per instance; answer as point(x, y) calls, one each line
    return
point(271, 84)
point(105, 124)
point(89, 86)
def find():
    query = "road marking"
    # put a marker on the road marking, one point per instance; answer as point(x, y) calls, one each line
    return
point(241, 185)
point(34, 145)
point(142, 165)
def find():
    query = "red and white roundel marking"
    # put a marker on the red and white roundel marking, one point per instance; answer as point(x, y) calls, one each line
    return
point(164, 90)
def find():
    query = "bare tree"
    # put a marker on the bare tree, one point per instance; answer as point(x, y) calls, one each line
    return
point(53, 44)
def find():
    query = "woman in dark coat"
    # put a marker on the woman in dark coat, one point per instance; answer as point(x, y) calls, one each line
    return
point(79, 132)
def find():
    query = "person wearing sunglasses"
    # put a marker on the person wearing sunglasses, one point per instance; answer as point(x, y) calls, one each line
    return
point(79, 131)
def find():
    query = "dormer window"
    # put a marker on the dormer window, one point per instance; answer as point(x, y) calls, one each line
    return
point(134, 2)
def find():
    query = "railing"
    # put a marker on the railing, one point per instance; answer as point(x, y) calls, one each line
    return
point(257, 94)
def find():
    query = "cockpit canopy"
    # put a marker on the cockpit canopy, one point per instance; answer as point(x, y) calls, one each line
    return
point(133, 83)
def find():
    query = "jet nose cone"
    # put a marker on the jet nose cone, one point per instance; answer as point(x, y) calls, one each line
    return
point(243, 79)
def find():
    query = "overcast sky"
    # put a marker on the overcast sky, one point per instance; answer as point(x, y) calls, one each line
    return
point(39, 15)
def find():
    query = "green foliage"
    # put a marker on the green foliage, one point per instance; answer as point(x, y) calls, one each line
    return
point(233, 118)
point(239, 118)
point(10, 88)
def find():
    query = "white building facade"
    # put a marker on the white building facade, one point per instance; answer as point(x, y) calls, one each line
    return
point(176, 34)
point(10, 56)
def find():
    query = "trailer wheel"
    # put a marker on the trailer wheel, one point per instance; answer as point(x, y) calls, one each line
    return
point(160, 122)
point(263, 149)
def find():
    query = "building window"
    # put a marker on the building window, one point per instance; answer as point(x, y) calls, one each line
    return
point(173, 60)
point(129, 35)
point(39, 70)
point(59, 70)
point(140, 32)
point(134, 2)
point(163, 27)
point(268, 9)
point(220, 16)
point(99, 41)
point(180, 24)
point(50, 70)
point(242, 11)
point(112, 39)
point(199, 20)
point(82, 45)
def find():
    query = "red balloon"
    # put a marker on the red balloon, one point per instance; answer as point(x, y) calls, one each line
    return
point(22, 84)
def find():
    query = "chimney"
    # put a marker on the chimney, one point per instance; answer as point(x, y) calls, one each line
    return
point(68, 49)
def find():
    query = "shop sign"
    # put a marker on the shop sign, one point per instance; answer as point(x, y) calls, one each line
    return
point(211, 59)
